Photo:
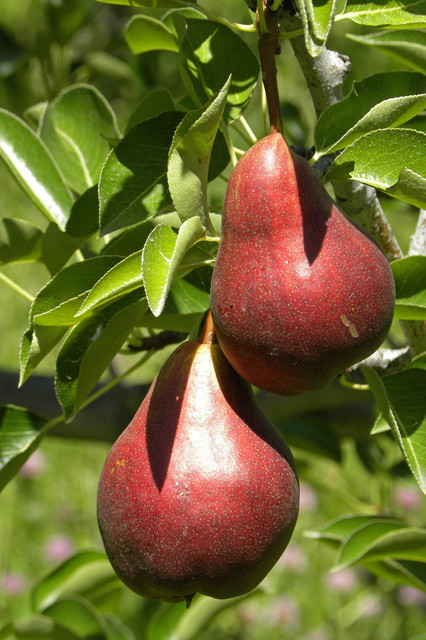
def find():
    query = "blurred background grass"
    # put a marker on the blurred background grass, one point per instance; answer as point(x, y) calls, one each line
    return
point(49, 511)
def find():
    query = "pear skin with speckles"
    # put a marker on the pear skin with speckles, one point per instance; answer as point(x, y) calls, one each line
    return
point(299, 292)
point(200, 493)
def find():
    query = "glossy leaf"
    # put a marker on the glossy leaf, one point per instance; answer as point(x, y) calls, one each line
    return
point(377, 539)
point(76, 127)
point(90, 347)
point(387, 12)
point(402, 401)
point(380, 101)
point(407, 47)
point(69, 284)
point(32, 166)
point(382, 159)
point(410, 282)
point(20, 241)
point(144, 33)
point(189, 159)
point(150, 106)
point(50, 587)
point(206, 64)
point(133, 182)
point(20, 434)
point(340, 528)
point(317, 19)
point(161, 256)
point(122, 278)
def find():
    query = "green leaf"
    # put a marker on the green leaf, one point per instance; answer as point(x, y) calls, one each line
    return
point(116, 629)
point(378, 102)
point(190, 294)
point(76, 127)
point(317, 19)
point(54, 307)
point(133, 182)
point(150, 106)
point(122, 278)
point(382, 159)
point(50, 587)
point(77, 615)
point(410, 282)
point(90, 347)
point(20, 434)
point(189, 159)
point(407, 47)
point(412, 574)
point(65, 289)
point(36, 343)
point(58, 247)
point(84, 218)
point(402, 401)
point(20, 241)
point(161, 256)
point(340, 528)
point(387, 12)
point(378, 539)
point(144, 33)
point(32, 166)
point(206, 64)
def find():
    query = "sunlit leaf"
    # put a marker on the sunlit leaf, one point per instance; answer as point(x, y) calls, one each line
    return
point(317, 18)
point(382, 158)
point(380, 13)
point(144, 33)
point(75, 128)
point(206, 64)
point(378, 102)
point(161, 256)
point(407, 47)
point(32, 166)
point(189, 159)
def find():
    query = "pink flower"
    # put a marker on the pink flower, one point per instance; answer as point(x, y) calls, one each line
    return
point(343, 580)
point(409, 595)
point(12, 583)
point(34, 466)
point(308, 498)
point(59, 548)
point(407, 498)
point(283, 611)
point(293, 558)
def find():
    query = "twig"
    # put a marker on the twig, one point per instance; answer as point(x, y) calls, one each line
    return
point(418, 239)
point(159, 341)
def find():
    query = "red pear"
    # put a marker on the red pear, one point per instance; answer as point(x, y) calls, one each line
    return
point(199, 493)
point(299, 292)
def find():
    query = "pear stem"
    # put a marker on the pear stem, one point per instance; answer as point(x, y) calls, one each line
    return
point(208, 334)
point(269, 47)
